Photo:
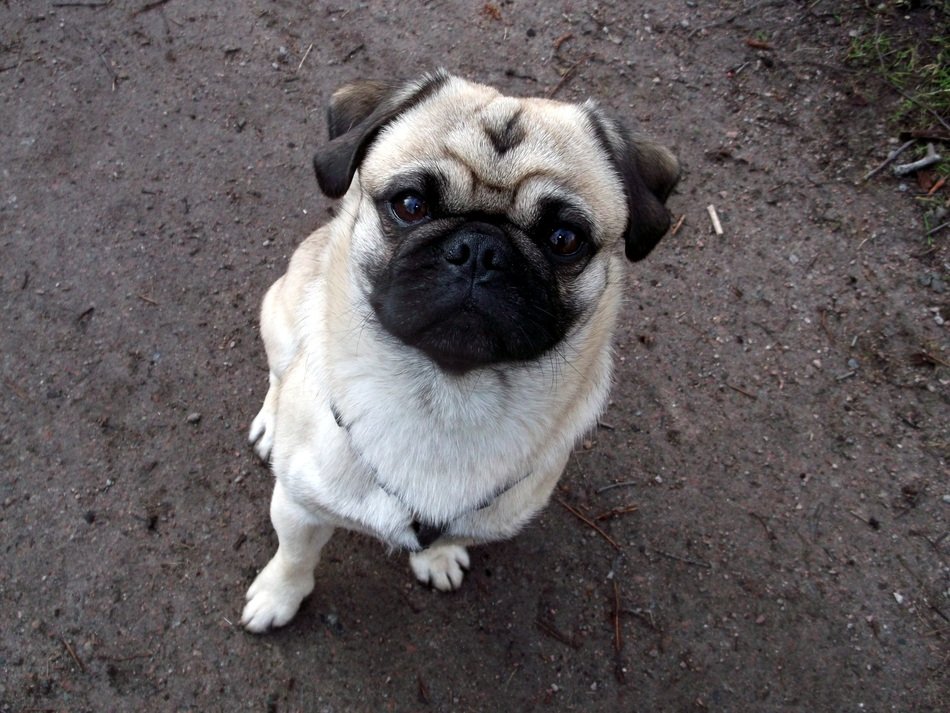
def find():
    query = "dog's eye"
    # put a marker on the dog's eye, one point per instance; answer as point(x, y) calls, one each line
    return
point(410, 207)
point(566, 243)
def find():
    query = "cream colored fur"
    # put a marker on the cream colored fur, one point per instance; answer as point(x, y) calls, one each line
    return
point(445, 443)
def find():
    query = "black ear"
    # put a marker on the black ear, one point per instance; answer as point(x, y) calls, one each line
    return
point(355, 116)
point(649, 173)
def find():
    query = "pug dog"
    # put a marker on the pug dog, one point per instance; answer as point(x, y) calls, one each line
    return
point(437, 349)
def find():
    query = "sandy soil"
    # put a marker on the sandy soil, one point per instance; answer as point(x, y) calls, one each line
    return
point(780, 418)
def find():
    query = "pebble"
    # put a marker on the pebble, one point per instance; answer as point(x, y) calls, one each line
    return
point(938, 285)
point(194, 417)
point(853, 363)
point(946, 498)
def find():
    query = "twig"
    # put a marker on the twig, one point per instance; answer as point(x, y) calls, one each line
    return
point(695, 563)
point(148, 7)
point(304, 58)
point(353, 52)
point(625, 484)
point(82, 4)
point(678, 225)
point(618, 634)
point(890, 158)
point(930, 159)
point(647, 618)
point(618, 637)
point(16, 389)
point(734, 16)
point(147, 299)
point(82, 666)
point(561, 40)
point(765, 524)
point(741, 391)
point(714, 217)
point(548, 628)
point(112, 75)
point(614, 512)
point(567, 75)
point(937, 229)
point(926, 108)
point(928, 358)
point(423, 690)
point(587, 521)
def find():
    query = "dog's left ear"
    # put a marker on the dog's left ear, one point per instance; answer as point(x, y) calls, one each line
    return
point(649, 173)
point(355, 116)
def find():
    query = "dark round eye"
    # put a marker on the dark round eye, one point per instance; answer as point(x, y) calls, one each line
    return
point(410, 207)
point(564, 242)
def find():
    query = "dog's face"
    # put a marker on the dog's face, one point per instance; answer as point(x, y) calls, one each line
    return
point(486, 224)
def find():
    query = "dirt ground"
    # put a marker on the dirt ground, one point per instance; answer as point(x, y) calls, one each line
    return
point(779, 420)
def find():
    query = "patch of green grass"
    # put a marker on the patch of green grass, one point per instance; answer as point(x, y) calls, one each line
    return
point(908, 46)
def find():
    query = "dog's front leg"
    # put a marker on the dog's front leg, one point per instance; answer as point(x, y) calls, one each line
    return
point(275, 595)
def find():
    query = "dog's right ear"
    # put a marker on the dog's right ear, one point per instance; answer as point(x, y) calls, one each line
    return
point(353, 103)
point(355, 116)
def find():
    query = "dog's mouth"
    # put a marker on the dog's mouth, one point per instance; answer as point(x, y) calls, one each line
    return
point(471, 301)
point(463, 329)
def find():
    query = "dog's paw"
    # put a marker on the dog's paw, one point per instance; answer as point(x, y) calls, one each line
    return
point(274, 597)
point(440, 566)
point(261, 435)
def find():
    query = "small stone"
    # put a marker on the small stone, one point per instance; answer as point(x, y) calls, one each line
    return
point(793, 258)
point(924, 279)
point(898, 597)
point(194, 417)
point(853, 363)
point(938, 285)
point(946, 498)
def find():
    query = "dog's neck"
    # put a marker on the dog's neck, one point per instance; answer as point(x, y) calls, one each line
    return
point(426, 532)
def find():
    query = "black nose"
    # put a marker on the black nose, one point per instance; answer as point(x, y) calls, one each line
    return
point(478, 249)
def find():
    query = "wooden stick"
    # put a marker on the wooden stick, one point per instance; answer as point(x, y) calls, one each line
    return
point(82, 666)
point(679, 224)
point(890, 158)
point(304, 58)
point(618, 636)
point(624, 484)
point(714, 217)
point(614, 512)
point(587, 521)
point(684, 560)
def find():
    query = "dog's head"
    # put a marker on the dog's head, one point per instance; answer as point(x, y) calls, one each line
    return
point(486, 224)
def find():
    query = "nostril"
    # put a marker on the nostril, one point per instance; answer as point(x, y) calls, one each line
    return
point(458, 254)
point(488, 259)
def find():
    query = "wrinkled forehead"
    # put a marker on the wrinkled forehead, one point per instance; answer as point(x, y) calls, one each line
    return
point(500, 155)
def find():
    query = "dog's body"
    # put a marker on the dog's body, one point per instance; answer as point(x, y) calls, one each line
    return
point(438, 348)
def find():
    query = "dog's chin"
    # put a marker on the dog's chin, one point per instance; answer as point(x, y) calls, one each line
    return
point(464, 342)
point(463, 339)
